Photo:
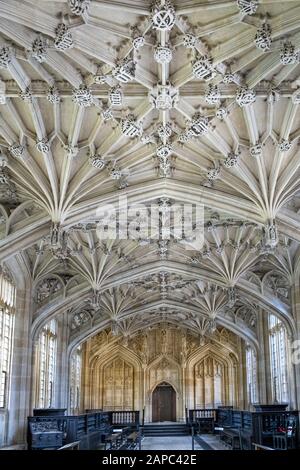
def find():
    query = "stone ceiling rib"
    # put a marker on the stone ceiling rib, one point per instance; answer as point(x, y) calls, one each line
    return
point(184, 107)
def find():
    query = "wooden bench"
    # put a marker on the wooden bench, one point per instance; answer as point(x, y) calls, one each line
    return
point(206, 425)
point(231, 438)
point(113, 440)
point(260, 447)
point(132, 440)
point(70, 446)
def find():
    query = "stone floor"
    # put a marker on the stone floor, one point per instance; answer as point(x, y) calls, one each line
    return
point(180, 443)
point(214, 442)
point(167, 443)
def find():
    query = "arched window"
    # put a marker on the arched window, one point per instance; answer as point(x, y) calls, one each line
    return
point(47, 351)
point(7, 304)
point(278, 358)
point(251, 368)
point(75, 380)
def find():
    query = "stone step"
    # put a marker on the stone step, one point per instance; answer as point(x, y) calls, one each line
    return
point(175, 429)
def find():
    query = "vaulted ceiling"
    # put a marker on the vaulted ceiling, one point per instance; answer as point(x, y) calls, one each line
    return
point(166, 103)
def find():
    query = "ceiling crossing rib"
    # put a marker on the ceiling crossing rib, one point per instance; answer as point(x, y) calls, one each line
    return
point(165, 103)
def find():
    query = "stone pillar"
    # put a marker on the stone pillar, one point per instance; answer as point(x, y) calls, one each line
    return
point(262, 366)
point(20, 380)
point(62, 363)
point(87, 378)
point(266, 358)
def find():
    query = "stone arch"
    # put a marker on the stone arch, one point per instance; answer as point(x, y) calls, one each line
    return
point(124, 385)
point(163, 369)
point(211, 377)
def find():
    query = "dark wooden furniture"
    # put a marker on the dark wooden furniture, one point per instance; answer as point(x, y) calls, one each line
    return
point(45, 433)
point(49, 411)
point(90, 430)
point(239, 429)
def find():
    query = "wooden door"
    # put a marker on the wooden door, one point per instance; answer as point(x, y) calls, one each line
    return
point(164, 403)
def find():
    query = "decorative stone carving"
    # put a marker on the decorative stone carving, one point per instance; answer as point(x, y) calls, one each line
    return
point(271, 234)
point(4, 177)
point(46, 288)
point(164, 97)
point(288, 54)
point(273, 95)
point(5, 57)
point(229, 78)
point(130, 127)
point(189, 41)
point(163, 248)
point(39, 49)
point(163, 15)
point(138, 42)
point(278, 284)
point(80, 319)
point(97, 161)
point(203, 68)
point(256, 151)
point(164, 132)
point(107, 114)
point(116, 96)
point(245, 96)
point(100, 79)
point(164, 151)
point(247, 315)
point(247, 7)
point(231, 296)
point(17, 150)
point(53, 95)
point(79, 7)
point(43, 146)
point(231, 160)
point(55, 235)
point(183, 137)
point(165, 166)
point(26, 95)
point(63, 39)
point(198, 126)
point(213, 95)
point(124, 71)
point(115, 173)
point(3, 160)
point(163, 54)
point(146, 139)
point(221, 113)
point(213, 173)
point(284, 145)
point(82, 96)
point(263, 38)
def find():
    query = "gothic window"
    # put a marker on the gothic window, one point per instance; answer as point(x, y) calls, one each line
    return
point(47, 365)
point(278, 358)
point(7, 304)
point(75, 380)
point(251, 369)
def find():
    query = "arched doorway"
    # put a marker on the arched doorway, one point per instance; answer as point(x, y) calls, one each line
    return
point(164, 403)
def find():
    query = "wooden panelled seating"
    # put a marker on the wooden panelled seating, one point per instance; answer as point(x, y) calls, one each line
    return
point(239, 429)
point(93, 430)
